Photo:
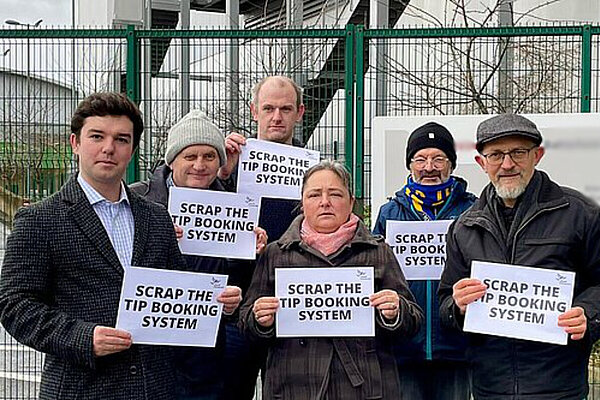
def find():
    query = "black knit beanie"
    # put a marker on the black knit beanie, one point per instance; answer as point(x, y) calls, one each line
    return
point(434, 135)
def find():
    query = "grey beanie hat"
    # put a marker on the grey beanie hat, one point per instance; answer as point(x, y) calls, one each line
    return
point(194, 128)
point(506, 125)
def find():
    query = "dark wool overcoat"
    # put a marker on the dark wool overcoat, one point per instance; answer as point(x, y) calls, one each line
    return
point(61, 277)
point(332, 368)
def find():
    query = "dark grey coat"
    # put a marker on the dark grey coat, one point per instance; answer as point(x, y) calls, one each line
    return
point(554, 228)
point(61, 277)
point(331, 368)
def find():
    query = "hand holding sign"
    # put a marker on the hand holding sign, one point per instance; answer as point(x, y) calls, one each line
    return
point(110, 340)
point(575, 322)
point(233, 143)
point(264, 310)
point(230, 298)
point(466, 291)
point(387, 301)
point(261, 239)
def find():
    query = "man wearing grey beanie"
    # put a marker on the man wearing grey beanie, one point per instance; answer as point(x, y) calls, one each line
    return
point(195, 152)
point(524, 218)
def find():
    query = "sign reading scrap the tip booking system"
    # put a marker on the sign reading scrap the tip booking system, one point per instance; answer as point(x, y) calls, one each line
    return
point(419, 247)
point(273, 170)
point(324, 302)
point(166, 307)
point(520, 302)
point(215, 224)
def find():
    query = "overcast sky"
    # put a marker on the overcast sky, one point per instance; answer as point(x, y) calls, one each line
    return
point(54, 12)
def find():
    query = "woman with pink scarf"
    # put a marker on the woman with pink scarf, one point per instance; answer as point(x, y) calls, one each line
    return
point(329, 235)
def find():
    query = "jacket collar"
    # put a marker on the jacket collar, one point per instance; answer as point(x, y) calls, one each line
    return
point(86, 218)
point(291, 238)
point(541, 193)
point(459, 192)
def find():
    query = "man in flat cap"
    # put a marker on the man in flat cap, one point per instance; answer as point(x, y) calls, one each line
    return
point(524, 218)
point(431, 193)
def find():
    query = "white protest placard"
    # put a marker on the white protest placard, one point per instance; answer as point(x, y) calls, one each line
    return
point(419, 247)
point(216, 224)
point(176, 308)
point(270, 169)
point(323, 302)
point(520, 302)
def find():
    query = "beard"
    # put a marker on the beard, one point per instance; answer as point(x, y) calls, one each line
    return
point(509, 192)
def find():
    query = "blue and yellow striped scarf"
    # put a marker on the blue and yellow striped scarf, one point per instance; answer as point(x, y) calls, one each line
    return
point(426, 198)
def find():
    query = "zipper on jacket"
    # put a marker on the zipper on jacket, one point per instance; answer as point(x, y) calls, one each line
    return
point(428, 351)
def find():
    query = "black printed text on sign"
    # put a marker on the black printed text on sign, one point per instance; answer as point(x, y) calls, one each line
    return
point(268, 169)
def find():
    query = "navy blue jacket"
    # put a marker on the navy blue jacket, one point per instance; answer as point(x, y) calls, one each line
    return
point(432, 342)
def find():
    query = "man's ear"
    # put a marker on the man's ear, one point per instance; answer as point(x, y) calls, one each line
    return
point(253, 110)
point(481, 161)
point(301, 110)
point(539, 153)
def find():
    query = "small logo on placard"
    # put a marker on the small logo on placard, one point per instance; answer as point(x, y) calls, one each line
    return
point(362, 275)
point(561, 279)
point(250, 202)
point(216, 283)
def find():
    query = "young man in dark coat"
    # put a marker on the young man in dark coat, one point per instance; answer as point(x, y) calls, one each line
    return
point(524, 218)
point(63, 269)
point(431, 193)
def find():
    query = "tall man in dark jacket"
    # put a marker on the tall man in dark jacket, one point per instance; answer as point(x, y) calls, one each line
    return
point(431, 193)
point(195, 151)
point(524, 218)
point(277, 107)
point(63, 268)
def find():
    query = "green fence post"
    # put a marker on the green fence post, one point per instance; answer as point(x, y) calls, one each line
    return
point(360, 112)
point(586, 68)
point(349, 87)
point(133, 92)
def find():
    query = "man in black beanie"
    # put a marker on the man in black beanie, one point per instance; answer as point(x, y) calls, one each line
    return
point(431, 365)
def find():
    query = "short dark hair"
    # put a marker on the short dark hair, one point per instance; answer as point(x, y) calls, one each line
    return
point(108, 103)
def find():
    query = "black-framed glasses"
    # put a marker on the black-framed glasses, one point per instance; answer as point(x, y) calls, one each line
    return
point(438, 162)
point(517, 155)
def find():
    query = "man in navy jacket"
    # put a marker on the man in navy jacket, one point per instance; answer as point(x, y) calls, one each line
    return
point(432, 364)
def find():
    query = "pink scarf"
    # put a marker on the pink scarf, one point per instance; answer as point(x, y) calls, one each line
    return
point(329, 243)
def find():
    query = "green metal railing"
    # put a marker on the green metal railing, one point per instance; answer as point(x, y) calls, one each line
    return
point(349, 76)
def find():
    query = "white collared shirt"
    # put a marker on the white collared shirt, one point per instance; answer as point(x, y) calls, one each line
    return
point(116, 218)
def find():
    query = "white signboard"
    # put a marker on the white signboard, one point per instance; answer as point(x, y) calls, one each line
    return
point(177, 308)
point(569, 139)
point(216, 224)
point(270, 169)
point(520, 302)
point(324, 302)
point(419, 247)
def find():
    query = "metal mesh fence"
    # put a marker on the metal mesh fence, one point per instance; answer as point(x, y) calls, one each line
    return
point(417, 73)
point(44, 74)
point(219, 81)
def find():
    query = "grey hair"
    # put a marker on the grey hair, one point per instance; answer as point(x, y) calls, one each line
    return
point(334, 166)
point(281, 78)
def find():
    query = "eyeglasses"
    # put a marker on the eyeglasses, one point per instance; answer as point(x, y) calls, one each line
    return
point(517, 155)
point(438, 162)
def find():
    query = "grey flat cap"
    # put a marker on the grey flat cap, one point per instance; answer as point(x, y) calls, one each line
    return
point(506, 125)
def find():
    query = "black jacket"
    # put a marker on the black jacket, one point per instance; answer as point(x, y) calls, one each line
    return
point(554, 228)
point(197, 367)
